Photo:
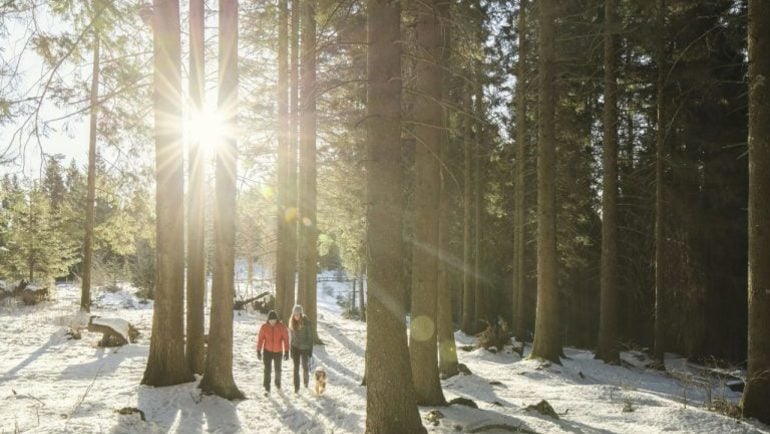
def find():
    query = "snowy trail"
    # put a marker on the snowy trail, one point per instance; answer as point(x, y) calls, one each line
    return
point(49, 384)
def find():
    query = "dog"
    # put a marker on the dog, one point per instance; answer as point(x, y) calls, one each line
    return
point(320, 380)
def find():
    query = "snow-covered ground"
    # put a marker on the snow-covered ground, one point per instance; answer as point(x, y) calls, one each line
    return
point(49, 383)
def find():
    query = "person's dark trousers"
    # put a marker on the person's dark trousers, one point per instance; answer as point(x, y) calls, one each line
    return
point(270, 359)
point(298, 355)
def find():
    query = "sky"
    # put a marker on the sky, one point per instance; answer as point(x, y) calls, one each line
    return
point(68, 137)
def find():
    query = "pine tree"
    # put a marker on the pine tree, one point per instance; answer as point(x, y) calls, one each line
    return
point(519, 226)
point(218, 374)
point(308, 250)
point(428, 134)
point(283, 274)
point(608, 341)
point(196, 239)
point(391, 405)
point(469, 325)
point(166, 364)
point(660, 156)
point(34, 249)
point(85, 291)
point(756, 397)
point(547, 344)
point(447, 349)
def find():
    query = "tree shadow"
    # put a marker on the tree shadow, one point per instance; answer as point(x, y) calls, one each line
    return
point(316, 412)
point(107, 361)
point(183, 408)
point(54, 339)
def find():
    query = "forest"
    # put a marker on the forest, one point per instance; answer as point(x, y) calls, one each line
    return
point(545, 178)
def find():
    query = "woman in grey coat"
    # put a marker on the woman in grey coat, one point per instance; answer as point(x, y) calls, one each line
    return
point(301, 338)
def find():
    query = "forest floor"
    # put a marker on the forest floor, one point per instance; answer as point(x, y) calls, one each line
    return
point(49, 383)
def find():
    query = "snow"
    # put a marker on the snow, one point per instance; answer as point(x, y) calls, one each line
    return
point(49, 384)
point(117, 324)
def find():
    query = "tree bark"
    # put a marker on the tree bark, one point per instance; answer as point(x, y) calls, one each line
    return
point(547, 344)
point(756, 397)
point(292, 179)
point(196, 249)
point(218, 376)
point(479, 282)
point(391, 405)
point(307, 168)
point(284, 282)
point(361, 297)
point(427, 131)
point(469, 293)
point(660, 155)
point(608, 349)
point(519, 225)
point(447, 349)
point(166, 363)
point(88, 242)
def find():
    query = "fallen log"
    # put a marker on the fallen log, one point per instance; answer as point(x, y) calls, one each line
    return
point(115, 332)
point(240, 304)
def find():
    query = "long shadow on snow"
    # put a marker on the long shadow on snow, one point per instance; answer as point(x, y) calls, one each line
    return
point(339, 375)
point(186, 410)
point(52, 340)
point(107, 362)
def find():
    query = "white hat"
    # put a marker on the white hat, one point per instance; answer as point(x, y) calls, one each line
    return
point(297, 309)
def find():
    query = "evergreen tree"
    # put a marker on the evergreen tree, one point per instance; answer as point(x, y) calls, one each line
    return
point(166, 364)
point(196, 240)
point(428, 135)
point(391, 404)
point(608, 341)
point(218, 374)
point(34, 249)
point(308, 250)
point(519, 224)
point(547, 344)
point(756, 397)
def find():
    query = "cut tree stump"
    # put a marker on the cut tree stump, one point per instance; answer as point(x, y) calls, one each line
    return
point(116, 332)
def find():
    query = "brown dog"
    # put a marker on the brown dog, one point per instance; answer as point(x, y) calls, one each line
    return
point(320, 380)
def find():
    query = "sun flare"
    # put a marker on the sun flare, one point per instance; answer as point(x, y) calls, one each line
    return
point(207, 128)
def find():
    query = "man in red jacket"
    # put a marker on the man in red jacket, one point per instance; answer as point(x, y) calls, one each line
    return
point(273, 340)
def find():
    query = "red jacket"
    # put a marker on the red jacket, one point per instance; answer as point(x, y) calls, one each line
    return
point(271, 338)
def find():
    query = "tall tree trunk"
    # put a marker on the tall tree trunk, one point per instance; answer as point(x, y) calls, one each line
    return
point(352, 304)
point(469, 292)
point(447, 349)
point(756, 397)
point(391, 405)
point(88, 242)
point(196, 250)
point(479, 281)
point(292, 179)
point(428, 115)
point(361, 299)
point(547, 344)
point(218, 375)
point(284, 282)
point(519, 219)
point(608, 349)
point(660, 155)
point(166, 363)
point(307, 170)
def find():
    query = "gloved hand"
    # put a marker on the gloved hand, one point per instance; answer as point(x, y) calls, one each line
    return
point(286, 356)
point(259, 355)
